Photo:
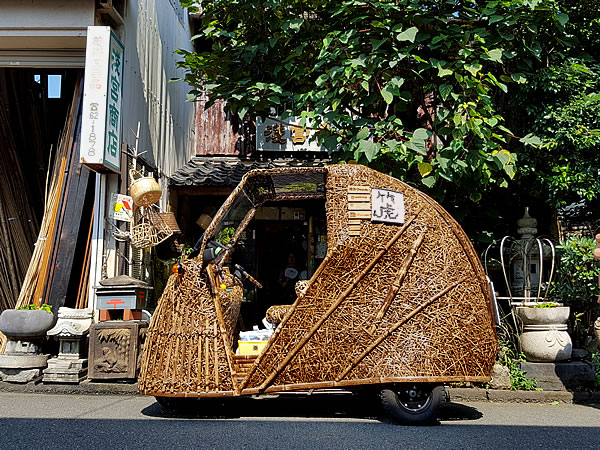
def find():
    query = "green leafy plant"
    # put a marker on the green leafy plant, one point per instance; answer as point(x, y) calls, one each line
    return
point(412, 88)
point(576, 284)
point(44, 307)
point(518, 378)
point(545, 305)
point(595, 360)
point(226, 234)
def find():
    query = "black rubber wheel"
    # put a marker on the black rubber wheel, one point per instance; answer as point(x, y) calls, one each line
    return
point(177, 404)
point(412, 404)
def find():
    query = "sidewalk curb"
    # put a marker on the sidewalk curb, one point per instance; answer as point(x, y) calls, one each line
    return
point(86, 387)
point(458, 395)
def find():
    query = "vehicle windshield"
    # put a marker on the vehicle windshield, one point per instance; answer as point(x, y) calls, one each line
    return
point(260, 188)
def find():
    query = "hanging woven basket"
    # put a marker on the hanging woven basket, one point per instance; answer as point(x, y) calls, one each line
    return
point(170, 221)
point(149, 229)
point(145, 191)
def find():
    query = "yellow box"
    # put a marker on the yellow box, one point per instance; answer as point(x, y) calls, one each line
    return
point(251, 347)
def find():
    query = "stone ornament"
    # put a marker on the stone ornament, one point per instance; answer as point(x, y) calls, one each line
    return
point(72, 328)
point(545, 337)
point(72, 322)
point(23, 361)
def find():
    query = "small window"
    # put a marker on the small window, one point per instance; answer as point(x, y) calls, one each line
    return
point(54, 85)
point(37, 79)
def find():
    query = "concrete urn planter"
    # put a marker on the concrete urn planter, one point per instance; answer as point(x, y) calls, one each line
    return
point(25, 324)
point(545, 337)
point(23, 361)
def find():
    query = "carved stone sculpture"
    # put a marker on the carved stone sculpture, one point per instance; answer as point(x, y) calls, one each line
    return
point(72, 328)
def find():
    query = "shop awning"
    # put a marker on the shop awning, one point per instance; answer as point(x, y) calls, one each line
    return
point(221, 172)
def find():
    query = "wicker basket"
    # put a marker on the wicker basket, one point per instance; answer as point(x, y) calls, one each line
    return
point(170, 221)
point(149, 229)
point(145, 191)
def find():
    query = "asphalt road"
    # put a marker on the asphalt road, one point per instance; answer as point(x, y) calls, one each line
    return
point(42, 421)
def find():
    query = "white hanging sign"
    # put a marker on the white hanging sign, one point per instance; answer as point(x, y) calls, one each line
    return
point(102, 99)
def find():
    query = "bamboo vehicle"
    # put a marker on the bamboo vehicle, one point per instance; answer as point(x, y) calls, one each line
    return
point(399, 306)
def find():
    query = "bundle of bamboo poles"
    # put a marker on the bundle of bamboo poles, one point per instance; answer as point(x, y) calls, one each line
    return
point(34, 283)
point(35, 280)
point(18, 224)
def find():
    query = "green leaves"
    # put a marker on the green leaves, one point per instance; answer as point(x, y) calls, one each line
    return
point(473, 68)
point(443, 72)
point(417, 142)
point(530, 139)
point(408, 35)
point(519, 78)
point(562, 18)
point(368, 148)
point(445, 90)
point(363, 134)
point(242, 111)
point(391, 89)
point(424, 168)
point(387, 95)
point(505, 161)
point(495, 55)
point(408, 88)
point(293, 24)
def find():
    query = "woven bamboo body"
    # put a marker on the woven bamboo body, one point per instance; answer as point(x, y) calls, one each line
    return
point(390, 303)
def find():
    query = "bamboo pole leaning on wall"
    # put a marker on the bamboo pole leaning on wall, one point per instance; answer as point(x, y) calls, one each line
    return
point(17, 219)
point(18, 223)
point(33, 285)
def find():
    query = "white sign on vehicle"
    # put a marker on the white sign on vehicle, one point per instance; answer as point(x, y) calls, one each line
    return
point(387, 206)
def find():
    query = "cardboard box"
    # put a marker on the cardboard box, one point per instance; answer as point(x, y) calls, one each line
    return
point(251, 347)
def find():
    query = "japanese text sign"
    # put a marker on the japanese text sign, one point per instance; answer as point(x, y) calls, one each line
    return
point(387, 206)
point(102, 99)
point(285, 136)
point(121, 208)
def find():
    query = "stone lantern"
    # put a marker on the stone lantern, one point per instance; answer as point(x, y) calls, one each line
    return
point(72, 328)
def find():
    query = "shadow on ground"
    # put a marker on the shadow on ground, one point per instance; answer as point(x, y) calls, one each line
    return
point(293, 405)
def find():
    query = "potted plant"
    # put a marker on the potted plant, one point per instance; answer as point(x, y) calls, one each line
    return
point(25, 328)
point(27, 322)
point(545, 337)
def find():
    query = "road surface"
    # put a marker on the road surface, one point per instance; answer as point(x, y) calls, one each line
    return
point(43, 421)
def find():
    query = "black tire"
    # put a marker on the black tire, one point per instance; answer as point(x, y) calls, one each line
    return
point(412, 404)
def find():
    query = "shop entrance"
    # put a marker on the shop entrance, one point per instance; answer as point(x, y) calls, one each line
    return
point(284, 243)
point(39, 135)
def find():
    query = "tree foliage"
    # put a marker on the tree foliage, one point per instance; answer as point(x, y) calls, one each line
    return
point(561, 105)
point(411, 87)
point(566, 116)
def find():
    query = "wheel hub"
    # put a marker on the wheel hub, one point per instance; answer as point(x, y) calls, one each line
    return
point(413, 399)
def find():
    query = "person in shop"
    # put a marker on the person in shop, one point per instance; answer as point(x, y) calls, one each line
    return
point(288, 277)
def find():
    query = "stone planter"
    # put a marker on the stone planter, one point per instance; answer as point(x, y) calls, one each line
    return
point(25, 324)
point(545, 337)
point(25, 329)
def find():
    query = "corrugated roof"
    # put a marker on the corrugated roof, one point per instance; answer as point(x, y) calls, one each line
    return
point(214, 171)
